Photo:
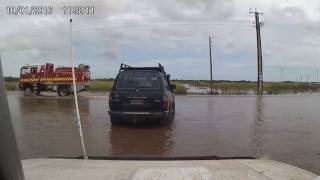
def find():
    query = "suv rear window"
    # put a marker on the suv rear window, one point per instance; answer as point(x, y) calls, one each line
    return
point(138, 80)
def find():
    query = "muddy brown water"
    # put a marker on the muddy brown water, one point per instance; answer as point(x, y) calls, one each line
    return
point(283, 128)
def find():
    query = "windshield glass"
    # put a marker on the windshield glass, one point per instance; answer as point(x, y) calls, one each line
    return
point(189, 79)
point(25, 70)
point(135, 80)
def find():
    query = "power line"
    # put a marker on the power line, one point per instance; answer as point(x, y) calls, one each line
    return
point(144, 24)
point(163, 21)
point(236, 27)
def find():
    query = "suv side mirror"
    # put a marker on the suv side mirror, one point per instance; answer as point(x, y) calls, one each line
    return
point(172, 86)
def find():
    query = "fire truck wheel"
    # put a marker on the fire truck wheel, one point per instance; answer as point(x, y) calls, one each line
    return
point(29, 89)
point(38, 89)
point(38, 92)
point(63, 91)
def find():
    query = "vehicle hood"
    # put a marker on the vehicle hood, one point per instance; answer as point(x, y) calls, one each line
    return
point(60, 169)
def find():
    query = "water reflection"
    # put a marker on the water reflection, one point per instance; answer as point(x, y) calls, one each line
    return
point(196, 90)
point(52, 105)
point(256, 135)
point(283, 128)
point(205, 90)
point(47, 126)
point(142, 141)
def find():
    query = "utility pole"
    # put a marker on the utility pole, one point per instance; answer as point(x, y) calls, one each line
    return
point(211, 86)
point(259, 53)
point(317, 75)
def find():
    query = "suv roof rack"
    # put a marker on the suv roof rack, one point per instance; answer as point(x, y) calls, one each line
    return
point(125, 67)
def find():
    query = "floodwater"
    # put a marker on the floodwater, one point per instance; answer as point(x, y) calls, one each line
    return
point(205, 90)
point(283, 128)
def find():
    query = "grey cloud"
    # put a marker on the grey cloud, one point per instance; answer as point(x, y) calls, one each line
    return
point(294, 13)
point(195, 10)
point(289, 36)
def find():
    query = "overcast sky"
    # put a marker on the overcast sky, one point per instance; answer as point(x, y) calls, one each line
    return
point(171, 32)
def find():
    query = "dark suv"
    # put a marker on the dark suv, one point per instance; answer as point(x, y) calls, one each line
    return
point(141, 93)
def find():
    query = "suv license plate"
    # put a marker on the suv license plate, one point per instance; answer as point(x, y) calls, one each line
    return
point(136, 101)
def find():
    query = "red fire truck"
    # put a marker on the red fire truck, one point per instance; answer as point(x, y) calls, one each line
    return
point(37, 78)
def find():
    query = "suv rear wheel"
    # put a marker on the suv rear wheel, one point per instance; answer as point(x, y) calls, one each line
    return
point(173, 108)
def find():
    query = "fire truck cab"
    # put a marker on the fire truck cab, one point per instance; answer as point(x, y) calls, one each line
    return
point(37, 78)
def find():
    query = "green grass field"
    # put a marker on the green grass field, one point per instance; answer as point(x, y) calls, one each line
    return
point(225, 85)
point(269, 87)
point(180, 89)
point(96, 85)
point(100, 85)
point(11, 85)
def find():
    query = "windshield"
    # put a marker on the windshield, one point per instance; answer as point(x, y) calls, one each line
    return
point(156, 79)
point(138, 80)
point(25, 70)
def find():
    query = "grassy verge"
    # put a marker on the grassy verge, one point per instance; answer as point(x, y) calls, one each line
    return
point(97, 85)
point(180, 89)
point(11, 85)
point(100, 85)
point(275, 88)
point(226, 85)
point(269, 87)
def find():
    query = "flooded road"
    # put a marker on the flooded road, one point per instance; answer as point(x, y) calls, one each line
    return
point(283, 128)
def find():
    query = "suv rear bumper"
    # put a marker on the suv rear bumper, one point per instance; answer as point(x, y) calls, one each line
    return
point(138, 115)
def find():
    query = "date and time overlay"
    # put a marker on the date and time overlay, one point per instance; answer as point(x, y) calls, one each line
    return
point(21, 10)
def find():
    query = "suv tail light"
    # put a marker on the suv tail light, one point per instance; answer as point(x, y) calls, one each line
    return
point(165, 103)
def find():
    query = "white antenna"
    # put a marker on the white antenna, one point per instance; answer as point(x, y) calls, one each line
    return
point(75, 95)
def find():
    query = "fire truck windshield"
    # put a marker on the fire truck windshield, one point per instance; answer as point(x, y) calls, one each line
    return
point(25, 70)
point(28, 69)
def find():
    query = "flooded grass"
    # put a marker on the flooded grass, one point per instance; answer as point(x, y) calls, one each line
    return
point(101, 85)
point(269, 87)
point(11, 85)
point(97, 85)
point(180, 89)
point(275, 88)
point(225, 86)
